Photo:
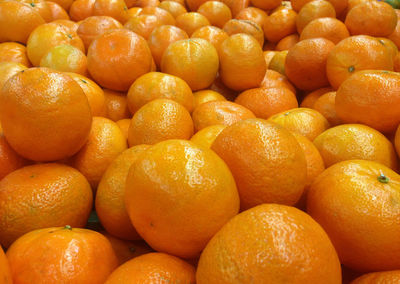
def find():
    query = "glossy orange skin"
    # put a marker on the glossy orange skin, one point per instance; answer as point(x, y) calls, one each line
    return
point(274, 79)
point(9, 159)
point(41, 196)
point(17, 21)
point(397, 141)
point(47, 36)
point(307, 122)
point(200, 191)
point(174, 8)
point(14, 52)
point(314, 10)
point(235, 26)
point(117, 58)
point(154, 268)
point(370, 97)
point(354, 54)
point(253, 14)
point(372, 18)
point(73, 26)
point(355, 141)
point(57, 12)
point(277, 62)
point(110, 202)
point(81, 9)
point(106, 141)
point(249, 248)
point(305, 64)
point(287, 42)
point(325, 105)
point(219, 112)
point(236, 5)
point(266, 5)
point(113, 8)
point(65, 4)
point(195, 4)
point(242, 64)
point(88, 254)
point(145, 3)
point(45, 114)
point(338, 200)
point(9, 69)
point(220, 87)
point(93, 26)
point(266, 102)
point(340, 5)
point(216, 12)
point(378, 277)
point(330, 28)
point(194, 60)
point(161, 37)
point(143, 25)
point(395, 36)
point(190, 22)
point(41, 7)
point(280, 24)
point(124, 126)
point(5, 273)
point(164, 16)
point(93, 92)
point(116, 105)
point(390, 46)
point(250, 148)
point(156, 85)
point(204, 96)
point(206, 137)
point(214, 35)
point(159, 120)
point(310, 99)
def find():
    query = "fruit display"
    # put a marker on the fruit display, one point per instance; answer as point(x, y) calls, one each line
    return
point(199, 141)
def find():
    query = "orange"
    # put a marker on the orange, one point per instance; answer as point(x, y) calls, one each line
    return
point(287, 42)
point(340, 5)
point(339, 199)
point(189, 22)
point(214, 35)
point(42, 196)
point(113, 8)
point(274, 79)
point(267, 102)
point(374, 18)
point(17, 21)
point(329, 28)
point(390, 46)
point(116, 105)
point(236, 5)
point(397, 63)
point(310, 99)
point(242, 64)
point(81, 9)
point(217, 13)
point(204, 96)
point(234, 26)
point(110, 205)
point(194, 60)
point(153, 267)
point(280, 24)
point(370, 97)
point(270, 243)
point(325, 105)
point(220, 87)
point(164, 16)
point(395, 36)
point(65, 58)
point(143, 25)
point(9, 159)
point(41, 7)
point(144, 3)
point(14, 52)
point(253, 150)
point(44, 114)
point(314, 10)
point(93, 92)
point(47, 36)
point(219, 112)
point(65, 4)
point(307, 122)
point(277, 62)
point(5, 273)
point(159, 120)
point(305, 64)
point(268, 55)
point(205, 137)
point(124, 126)
point(195, 4)
point(355, 141)
point(156, 85)
point(73, 26)
point(161, 37)
point(63, 250)
point(378, 277)
point(193, 181)
point(266, 4)
point(117, 58)
point(182, 2)
point(57, 12)
point(9, 69)
point(134, 11)
point(253, 14)
point(106, 141)
point(93, 26)
point(397, 141)
point(354, 54)
point(174, 8)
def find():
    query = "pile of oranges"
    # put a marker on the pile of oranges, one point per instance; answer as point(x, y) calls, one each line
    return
point(195, 141)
